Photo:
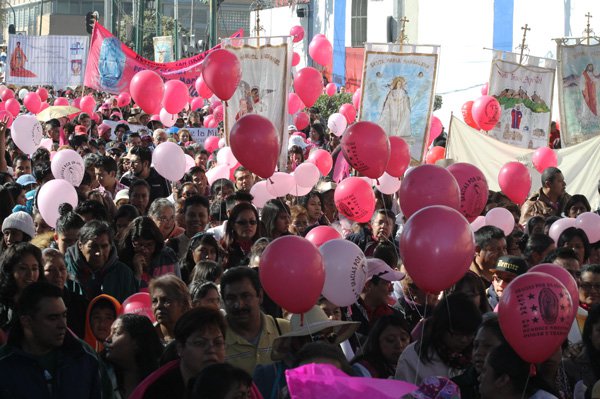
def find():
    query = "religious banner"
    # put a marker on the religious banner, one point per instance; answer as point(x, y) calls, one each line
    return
point(163, 48)
point(46, 60)
point(524, 91)
point(398, 91)
point(111, 64)
point(264, 86)
point(578, 88)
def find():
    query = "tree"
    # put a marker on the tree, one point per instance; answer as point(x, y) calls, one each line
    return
point(330, 105)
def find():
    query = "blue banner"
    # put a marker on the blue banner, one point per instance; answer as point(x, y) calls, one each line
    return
point(503, 24)
point(339, 43)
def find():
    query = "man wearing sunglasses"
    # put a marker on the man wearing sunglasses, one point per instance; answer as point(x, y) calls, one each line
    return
point(506, 270)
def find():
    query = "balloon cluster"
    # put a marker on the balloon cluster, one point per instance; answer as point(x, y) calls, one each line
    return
point(483, 113)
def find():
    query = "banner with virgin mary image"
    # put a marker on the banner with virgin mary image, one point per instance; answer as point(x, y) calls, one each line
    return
point(398, 91)
point(266, 64)
point(524, 91)
point(578, 89)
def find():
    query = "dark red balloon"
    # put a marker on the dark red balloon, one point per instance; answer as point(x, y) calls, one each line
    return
point(222, 73)
point(399, 157)
point(366, 148)
point(253, 141)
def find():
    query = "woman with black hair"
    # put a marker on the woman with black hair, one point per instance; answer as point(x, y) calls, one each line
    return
point(203, 246)
point(576, 205)
point(577, 240)
point(446, 344)
point(276, 218)
point(125, 215)
point(67, 228)
point(241, 232)
point(317, 135)
point(142, 249)
point(313, 203)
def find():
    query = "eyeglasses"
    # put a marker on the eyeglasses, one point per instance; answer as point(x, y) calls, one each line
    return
point(590, 286)
point(205, 344)
point(246, 222)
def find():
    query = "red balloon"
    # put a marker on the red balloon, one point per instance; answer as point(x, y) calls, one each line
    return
point(321, 234)
point(202, 88)
point(147, 89)
point(515, 181)
point(308, 84)
point(321, 50)
point(176, 96)
point(294, 104)
point(196, 103)
point(437, 247)
point(87, 104)
point(435, 129)
point(43, 93)
point(535, 315)
point(366, 148)
point(301, 120)
point(251, 135)
point(435, 154)
point(297, 33)
point(354, 198)
point(349, 113)
point(32, 102)
point(322, 159)
point(12, 105)
point(123, 99)
point(7, 95)
point(294, 282)
point(467, 112)
point(222, 73)
point(543, 158)
point(486, 112)
point(562, 275)
point(295, 59)
point(140, 303)
point(399, 157)
point(427, 185)
point(473, 189)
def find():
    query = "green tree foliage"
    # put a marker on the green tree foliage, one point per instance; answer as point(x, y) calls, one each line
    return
point(127, 31)
point(330, 105)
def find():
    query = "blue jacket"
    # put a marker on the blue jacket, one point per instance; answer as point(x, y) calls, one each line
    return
point(78, 374)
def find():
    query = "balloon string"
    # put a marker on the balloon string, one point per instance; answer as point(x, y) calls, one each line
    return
point(421, 340)
point(532, 373)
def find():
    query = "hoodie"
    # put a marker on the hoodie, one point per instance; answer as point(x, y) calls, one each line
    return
point(90, 339)
point(114, 278)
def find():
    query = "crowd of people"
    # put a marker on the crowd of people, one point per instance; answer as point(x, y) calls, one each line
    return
point(212, 331)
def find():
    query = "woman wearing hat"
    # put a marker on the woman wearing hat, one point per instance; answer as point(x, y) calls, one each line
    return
point(16, 228)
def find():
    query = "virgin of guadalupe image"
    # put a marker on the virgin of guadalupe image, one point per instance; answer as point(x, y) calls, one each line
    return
point(589, 82)
point(395, 114)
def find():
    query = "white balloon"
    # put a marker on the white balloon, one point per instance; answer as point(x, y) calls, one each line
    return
point(222, 142)
point(307, 174)
point(345, 271)
point(280, 184)
point(217, 172)
point(388, 184)
point(166, 118)
point(68, 165)
point(189, 162)
point(225, 157)
point(169, 161)
point(501, 218)
point(27, 133)
point(23, 93)
point(51, 195)
point(260, 194)
point(337, 123)
point(46, 143)
point(478, 223)
point(298, 191)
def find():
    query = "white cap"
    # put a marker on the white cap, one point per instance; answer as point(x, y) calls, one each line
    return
point(296, 140)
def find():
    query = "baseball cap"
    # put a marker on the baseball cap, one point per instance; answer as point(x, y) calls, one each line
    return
point(80, 130)
point(510, 264)
point(26, 180)
point(377, 267)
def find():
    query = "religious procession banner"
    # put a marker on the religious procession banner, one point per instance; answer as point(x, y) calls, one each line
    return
point(398, 91)
point(266, 64)
point(46, 60)
point(111, 64)
point(580, 164)
point(578, 89)
point(524, 91)
point(163, 48)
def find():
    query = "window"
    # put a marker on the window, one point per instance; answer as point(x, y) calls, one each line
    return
point(359, 23)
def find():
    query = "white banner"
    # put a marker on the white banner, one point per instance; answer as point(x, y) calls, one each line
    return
point(200, 134)
point(46, 60)
point(163, 49)
point(264, 86)
point(398, 91)
point(580, 164)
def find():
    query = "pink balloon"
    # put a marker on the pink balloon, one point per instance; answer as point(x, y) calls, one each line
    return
point(467, 113)
point(77, 103)
point(294, 103)
point(43, 106)
point(427, 185)
point(330, 89)
point(437, 247)
point(210, 122)
point(337, 124)
point(484, 89)
point(356, 99)
point(211, 144)
point(68, 165)
point(166, 118)
point(349, 112)
point(543, 158)
point(308, 84)
point(222, 73)
point(321, 234)
point(202, 88)
point(176, 96)
point(218, 114)
point(306, 174)
point(251, 135)
point(141, 304)
point(260, 194)
point(169, 161)
point(147, 90)
point(486, 112)
point(589, 222)
point(295, 59)
point(399, 157)
point(535, 315)
point(501, 218)
point(280, 184)
point(562, 275)
point(123, 99)
point(435, 129)
point(32, 102)
point(435, 154)
point(354, 198)
point(366, 148)
point(43, 93)
point(515, 181)
point(473, 189)
point(51, 195)
point(297, 33)
point(225, 157)
point(388, 184)
point(88, 104)
point(298, 191)
point(61, 101)
point(7, 94)
point(559, 226)
point(189, 162)
point(301, 120)
point(197, 103)
point(320, 50)
point(322, 159)
point(217, 172)
point(8, 116)
point(12, 105)
point(478, 223)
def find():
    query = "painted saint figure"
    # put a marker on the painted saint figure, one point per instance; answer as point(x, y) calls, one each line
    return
point(516, 116)
point(395, 114)
point(17, 63)
point(588, 83)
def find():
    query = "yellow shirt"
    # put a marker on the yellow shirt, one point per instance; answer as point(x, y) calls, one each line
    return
point(241, 353)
